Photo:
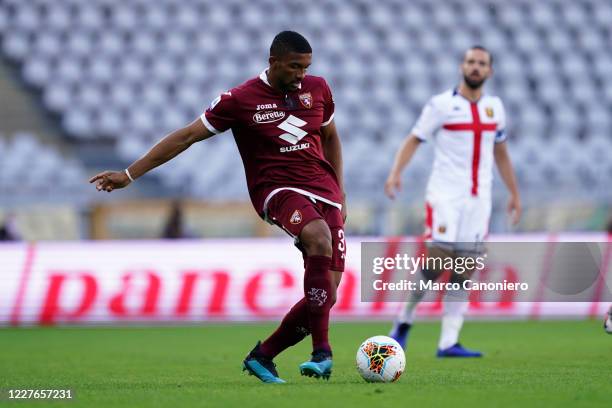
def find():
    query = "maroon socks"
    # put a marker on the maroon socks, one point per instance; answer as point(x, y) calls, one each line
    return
point(318, 293)
point(291, 331)
point(308, 316)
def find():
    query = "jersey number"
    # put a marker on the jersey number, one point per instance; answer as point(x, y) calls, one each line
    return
point(341, 243)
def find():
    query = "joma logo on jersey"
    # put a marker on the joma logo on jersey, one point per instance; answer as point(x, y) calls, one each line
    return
point(268, 116)
point(266, 106)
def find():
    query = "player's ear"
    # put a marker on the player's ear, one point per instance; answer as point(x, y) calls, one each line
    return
point(272, 60)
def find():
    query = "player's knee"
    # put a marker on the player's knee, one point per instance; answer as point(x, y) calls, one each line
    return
point(466, 268)
point(316, 239)
point(319, 245)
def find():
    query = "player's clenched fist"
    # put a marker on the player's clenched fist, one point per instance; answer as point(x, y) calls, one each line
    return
point(110, 180)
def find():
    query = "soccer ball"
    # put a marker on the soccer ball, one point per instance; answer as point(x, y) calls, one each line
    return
point(380, 359)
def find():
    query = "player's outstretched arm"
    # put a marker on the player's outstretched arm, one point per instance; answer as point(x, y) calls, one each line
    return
point(166, 149)
point(402, 158)
point(504, 165)
point(332, 149)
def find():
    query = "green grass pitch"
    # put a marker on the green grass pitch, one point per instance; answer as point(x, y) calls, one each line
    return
point(553, 363)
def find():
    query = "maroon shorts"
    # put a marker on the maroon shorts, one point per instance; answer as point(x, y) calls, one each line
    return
point(293, 211)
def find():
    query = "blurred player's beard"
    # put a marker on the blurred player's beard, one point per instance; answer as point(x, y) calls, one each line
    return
point(473, 83)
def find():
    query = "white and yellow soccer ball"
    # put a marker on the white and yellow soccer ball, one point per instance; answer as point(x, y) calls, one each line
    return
point(380, 359)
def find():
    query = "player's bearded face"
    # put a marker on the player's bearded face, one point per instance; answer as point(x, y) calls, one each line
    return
point(476, 68)
point(289, 70)
point(474, 80)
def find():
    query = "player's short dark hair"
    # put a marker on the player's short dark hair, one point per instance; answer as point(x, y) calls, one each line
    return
point(484, 49)
point(289, 41)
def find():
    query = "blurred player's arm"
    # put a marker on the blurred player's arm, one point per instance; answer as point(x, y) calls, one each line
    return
point(504, 165)
point(332, 149)
point(402, 158)
point(165, 150)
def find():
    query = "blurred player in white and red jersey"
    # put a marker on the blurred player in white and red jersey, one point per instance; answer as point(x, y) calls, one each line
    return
point(468, 130)
point(608, 321)
point(283, 124)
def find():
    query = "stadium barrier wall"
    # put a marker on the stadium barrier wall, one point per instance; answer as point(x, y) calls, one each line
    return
point(114, 282)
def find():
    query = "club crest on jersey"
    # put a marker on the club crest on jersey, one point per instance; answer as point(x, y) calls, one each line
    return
point(442, 229)
point(489, 112)
point(306, 100)
point(296, 217)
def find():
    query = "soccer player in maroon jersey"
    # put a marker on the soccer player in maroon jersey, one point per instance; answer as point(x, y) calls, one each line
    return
point(282, 122)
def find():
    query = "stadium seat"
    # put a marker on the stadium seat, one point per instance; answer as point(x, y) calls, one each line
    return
point(527, 40)
point(542, 15)
point(559, 40)
point(36, 168)
point(574, 14)
point(57, 97)
point(602, 14)
point(37, 71)
point(510, 15)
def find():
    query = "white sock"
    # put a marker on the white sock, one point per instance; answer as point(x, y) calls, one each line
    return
point(452, 321)
point(407, 314)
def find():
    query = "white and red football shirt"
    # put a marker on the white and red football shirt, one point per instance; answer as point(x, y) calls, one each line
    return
point(463, 133)
point(279, 137)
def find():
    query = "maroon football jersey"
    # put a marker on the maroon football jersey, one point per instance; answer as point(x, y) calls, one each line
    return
point(279, 137)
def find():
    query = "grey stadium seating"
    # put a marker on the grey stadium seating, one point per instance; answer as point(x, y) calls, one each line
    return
point(30, 168)
point(132, 70)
